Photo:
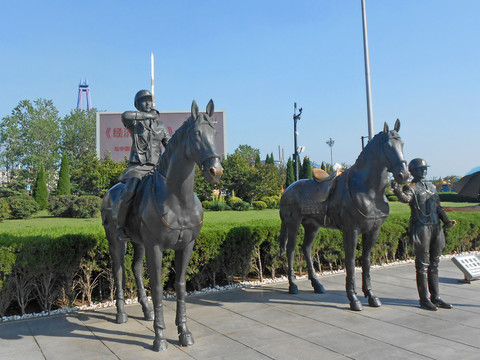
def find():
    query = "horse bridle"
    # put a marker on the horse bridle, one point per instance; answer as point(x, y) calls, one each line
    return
point(389, 163)
point(389, 166)
point(210, 157)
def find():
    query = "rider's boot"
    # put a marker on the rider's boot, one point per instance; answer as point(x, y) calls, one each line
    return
point(422, 287)
point(434, 291)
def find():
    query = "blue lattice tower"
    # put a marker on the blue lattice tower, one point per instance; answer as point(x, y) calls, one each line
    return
point(84, 89)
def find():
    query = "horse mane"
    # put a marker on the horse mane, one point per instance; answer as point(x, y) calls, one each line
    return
point(380, 137)
point(176, 138)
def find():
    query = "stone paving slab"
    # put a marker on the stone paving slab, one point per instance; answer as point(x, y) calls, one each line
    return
point(265, 322)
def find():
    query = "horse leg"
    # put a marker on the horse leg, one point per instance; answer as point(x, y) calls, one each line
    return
point(137, 268)
point(368, 241)
point(292, 231)
point(181, 261)
point(350, 240)
point(311, 232)
point(154, 264)
point(117, 253)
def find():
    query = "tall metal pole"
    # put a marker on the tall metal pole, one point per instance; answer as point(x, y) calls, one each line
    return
point(330, 143)
point(367, 73)
point(296, 117)
point(152, 75)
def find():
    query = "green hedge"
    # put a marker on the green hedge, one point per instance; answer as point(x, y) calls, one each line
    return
point(60, 268)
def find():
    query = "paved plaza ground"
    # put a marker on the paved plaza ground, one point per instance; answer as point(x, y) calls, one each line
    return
point(265, 322)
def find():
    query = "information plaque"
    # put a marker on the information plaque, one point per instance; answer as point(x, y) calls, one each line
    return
point(469, 265)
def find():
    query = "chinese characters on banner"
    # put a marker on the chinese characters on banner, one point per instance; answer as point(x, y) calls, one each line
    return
point(114, 139)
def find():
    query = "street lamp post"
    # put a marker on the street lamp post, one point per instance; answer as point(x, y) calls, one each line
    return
point(330, 143)
point(296, 117)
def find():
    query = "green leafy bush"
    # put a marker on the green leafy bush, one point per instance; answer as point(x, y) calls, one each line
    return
point(4, 209)
point(61, 206)
point(271, 201)
point(22, 207)
point(87, 206)
point(239, 205)
point(259, 205)
point(217, 206)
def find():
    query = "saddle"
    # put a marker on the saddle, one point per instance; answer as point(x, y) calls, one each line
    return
point(314, 200)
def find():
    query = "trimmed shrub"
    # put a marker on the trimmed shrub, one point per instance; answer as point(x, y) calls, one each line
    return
point(392, 198)
point(454, 197)
point(205, 204)
point(61, 206)
point(217, 206)
point(271, 201)
point(240, 205)
point(259, 205)
point(22, 207)
point(87, 206)
point(4, 209)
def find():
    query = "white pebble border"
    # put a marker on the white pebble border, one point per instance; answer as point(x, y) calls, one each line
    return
point(167, 296)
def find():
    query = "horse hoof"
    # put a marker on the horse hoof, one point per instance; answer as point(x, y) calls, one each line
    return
point(160, 345)
point(356, 305)
point(122, 318)
point(317, 287)
point(186, 339)
point(293, 289)
point(374, 301)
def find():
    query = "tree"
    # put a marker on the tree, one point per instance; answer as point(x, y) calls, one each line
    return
point(258, 162)
point(94, 176)
point(30, 136)
point(15, 187)
point(269, 159)
point(290, 176)
point(78, 138)
point(201, 186)
point(40, 191)
point(306, 170)
point(63, 187)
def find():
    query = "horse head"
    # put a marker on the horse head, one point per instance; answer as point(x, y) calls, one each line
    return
point(393, 152)
point(201, 146)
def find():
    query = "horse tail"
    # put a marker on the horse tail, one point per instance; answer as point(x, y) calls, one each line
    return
point(283, 237)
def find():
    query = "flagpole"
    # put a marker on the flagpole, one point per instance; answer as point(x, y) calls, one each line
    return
point(367, 73)
point(152, 71)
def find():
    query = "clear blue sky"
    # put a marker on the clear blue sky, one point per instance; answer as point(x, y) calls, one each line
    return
point(255, 58)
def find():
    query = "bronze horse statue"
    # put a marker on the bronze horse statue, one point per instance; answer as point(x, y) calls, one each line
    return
point(166, 214)
point(353, 202)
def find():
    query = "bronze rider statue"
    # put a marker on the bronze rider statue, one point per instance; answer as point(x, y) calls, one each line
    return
point(148, 133)
point(426, 233)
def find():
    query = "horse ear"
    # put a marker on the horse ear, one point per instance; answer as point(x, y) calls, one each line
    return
point(210, 108)
point(385, 128)
point(397, 125)
point(194, 109)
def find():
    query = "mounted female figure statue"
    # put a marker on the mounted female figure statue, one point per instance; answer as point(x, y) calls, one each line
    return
point(353, 202)
point(165, 214)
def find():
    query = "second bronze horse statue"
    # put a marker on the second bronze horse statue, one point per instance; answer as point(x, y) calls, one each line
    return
point(354, 202)
point(166, 214)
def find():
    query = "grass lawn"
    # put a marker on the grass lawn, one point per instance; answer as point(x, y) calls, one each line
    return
point(47, 224)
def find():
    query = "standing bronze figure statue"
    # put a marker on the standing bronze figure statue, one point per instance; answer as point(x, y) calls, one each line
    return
point(426, 233)
point(165, 214)
point(353, 202)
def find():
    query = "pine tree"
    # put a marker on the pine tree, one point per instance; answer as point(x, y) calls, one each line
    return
point(272, 160)
point(258, 162)
point(290, 179)
point(40, 192)
point(63, 187)
point(307, 169)
point(267, 159)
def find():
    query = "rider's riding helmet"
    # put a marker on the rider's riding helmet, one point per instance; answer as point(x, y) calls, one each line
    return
point(417, 163)
point(140, 95)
